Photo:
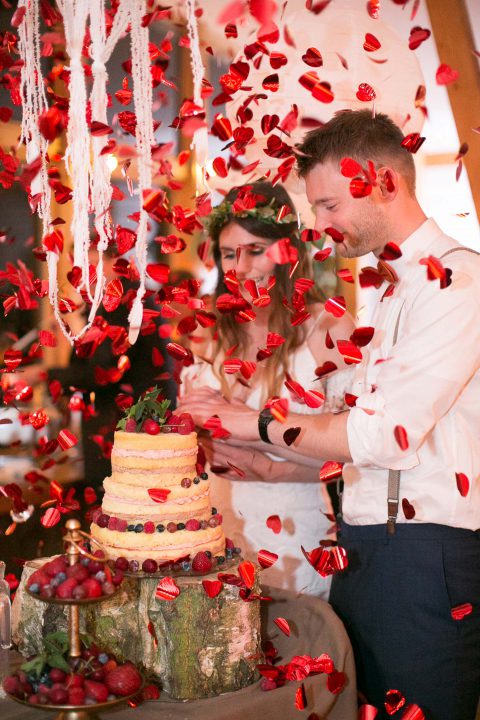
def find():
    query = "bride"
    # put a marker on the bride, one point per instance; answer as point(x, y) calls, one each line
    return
point(254, 485)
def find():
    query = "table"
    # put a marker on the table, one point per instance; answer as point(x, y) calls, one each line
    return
point(315, 629)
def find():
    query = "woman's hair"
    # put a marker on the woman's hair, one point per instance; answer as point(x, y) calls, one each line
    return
point(271, 217)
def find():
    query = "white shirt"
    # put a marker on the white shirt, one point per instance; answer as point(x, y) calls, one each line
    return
point(429, 384)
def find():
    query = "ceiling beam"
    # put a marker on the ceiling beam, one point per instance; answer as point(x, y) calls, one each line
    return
point(455, 44)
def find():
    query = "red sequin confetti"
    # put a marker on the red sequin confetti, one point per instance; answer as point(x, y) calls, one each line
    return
point(360, 187)
point(401, 437)
point(159, 495)
point(266, 558)
point(327, 367)
point(336, 682)
point(113, 295)
point(212, 587)
point(38, 419)
point(463, 484)
point(390, 252)
point(12, 359)
point(274, 523)
point(351, 353)
point(323, 92)
point(167, 589)
point(461, 611)
point(283, 625)
point(362, 336)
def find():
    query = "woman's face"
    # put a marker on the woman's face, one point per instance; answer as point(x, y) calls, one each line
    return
point(246, 254)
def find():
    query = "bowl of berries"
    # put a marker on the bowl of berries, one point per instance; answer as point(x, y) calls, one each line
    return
point(88, 580)
point(78, 687)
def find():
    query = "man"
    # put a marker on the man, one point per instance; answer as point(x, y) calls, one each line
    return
point(410, 597)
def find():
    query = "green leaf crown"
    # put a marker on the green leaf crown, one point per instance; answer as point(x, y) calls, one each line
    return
point(222, 214)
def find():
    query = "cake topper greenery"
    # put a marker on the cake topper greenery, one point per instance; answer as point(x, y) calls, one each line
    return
point(151, 414)
point(150, 406)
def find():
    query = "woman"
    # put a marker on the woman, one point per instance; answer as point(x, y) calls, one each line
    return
point(250, 230)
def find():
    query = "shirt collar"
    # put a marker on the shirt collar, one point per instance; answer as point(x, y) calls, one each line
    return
point(416, 246)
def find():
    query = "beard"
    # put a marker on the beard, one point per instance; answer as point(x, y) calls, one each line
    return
point(370, 233)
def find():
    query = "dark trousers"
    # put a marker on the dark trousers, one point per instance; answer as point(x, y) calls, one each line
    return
point(395, 599)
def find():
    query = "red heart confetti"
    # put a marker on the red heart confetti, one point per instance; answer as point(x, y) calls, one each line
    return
point(360, 187)
point(212, 587)
point(283, 625)
point(371, 43)
point(266, 558)
point(367, 712)
point(300, 698)
point(408, 509)
point(394, 700)
point(159, 495)
point(365, 93)
point(313, 57)
point(336, 306)
point(413, 712)
point(323, 92)
point(362, 336)
point(418, 35)
point(269, 123)
point(290, 435)
point(413, 142)
point(167, 589)
point(246, 570)
point(66, 439)
point(330, 470)
point(274, 523)
point(401, 437)
point(445, 75)
point(390, 252)
point(12, 359)
point(336, 682)
point(351, 353)
point(113, 295)
point(51, 517)
point(463, 484)
point(461, 611)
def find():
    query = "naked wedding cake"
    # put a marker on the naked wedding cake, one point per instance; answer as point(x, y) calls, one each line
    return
point(156, 505)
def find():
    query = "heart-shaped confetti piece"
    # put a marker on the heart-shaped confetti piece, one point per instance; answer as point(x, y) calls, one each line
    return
point(274, 523)
point(167, 589)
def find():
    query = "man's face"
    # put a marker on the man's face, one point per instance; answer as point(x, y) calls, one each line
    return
point(362, 221)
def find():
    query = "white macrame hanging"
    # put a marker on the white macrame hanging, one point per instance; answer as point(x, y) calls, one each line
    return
point(86, 166)
point(200, 137)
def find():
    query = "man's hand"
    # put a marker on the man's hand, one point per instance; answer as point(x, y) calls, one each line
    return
point(235, 416)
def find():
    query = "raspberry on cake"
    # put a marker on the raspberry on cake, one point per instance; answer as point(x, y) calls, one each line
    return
point(156, 506)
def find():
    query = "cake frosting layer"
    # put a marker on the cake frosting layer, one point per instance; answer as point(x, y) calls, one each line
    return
point(156, 506)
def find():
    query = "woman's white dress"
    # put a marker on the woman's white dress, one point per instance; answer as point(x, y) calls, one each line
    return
point(246, 504)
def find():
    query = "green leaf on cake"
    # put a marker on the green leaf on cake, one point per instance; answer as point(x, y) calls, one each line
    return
point(148, 406)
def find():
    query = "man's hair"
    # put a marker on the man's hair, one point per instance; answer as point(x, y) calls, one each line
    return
point(359, 135)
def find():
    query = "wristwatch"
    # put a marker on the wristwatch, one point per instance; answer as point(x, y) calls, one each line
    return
point(264, 419)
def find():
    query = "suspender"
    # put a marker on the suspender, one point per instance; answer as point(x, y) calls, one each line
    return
point(393, 495)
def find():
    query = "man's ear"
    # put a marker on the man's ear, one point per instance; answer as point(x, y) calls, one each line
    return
point(388, 182)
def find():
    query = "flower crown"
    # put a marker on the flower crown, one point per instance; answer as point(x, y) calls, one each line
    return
point(222, 214)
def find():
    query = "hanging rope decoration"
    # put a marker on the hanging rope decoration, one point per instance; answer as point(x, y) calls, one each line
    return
point(84, 161)
point(200, 137)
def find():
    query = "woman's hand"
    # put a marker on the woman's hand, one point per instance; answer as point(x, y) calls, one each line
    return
point(235, 416)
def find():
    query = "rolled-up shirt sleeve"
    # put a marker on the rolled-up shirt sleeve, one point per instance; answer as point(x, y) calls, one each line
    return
point(436, 354)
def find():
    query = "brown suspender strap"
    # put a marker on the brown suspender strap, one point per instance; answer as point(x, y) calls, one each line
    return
point(393, 495)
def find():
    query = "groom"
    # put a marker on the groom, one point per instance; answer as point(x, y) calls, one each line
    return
point(410, 597)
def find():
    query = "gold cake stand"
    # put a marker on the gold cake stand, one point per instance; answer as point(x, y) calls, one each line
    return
point(73, 539)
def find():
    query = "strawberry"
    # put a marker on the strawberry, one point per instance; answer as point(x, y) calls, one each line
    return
point(97, 691)
point(58, 565)
point(92, 587)
point(76, 696)
point(65, 589)
point(131, 425)
point(123, 680)
point(151, 427)
point(201, 562)
point(186, 424)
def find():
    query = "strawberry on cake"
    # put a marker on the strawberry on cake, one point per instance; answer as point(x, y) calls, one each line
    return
point(156, 505)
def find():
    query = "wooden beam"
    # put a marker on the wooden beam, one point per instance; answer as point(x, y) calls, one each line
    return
point(455, 44)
